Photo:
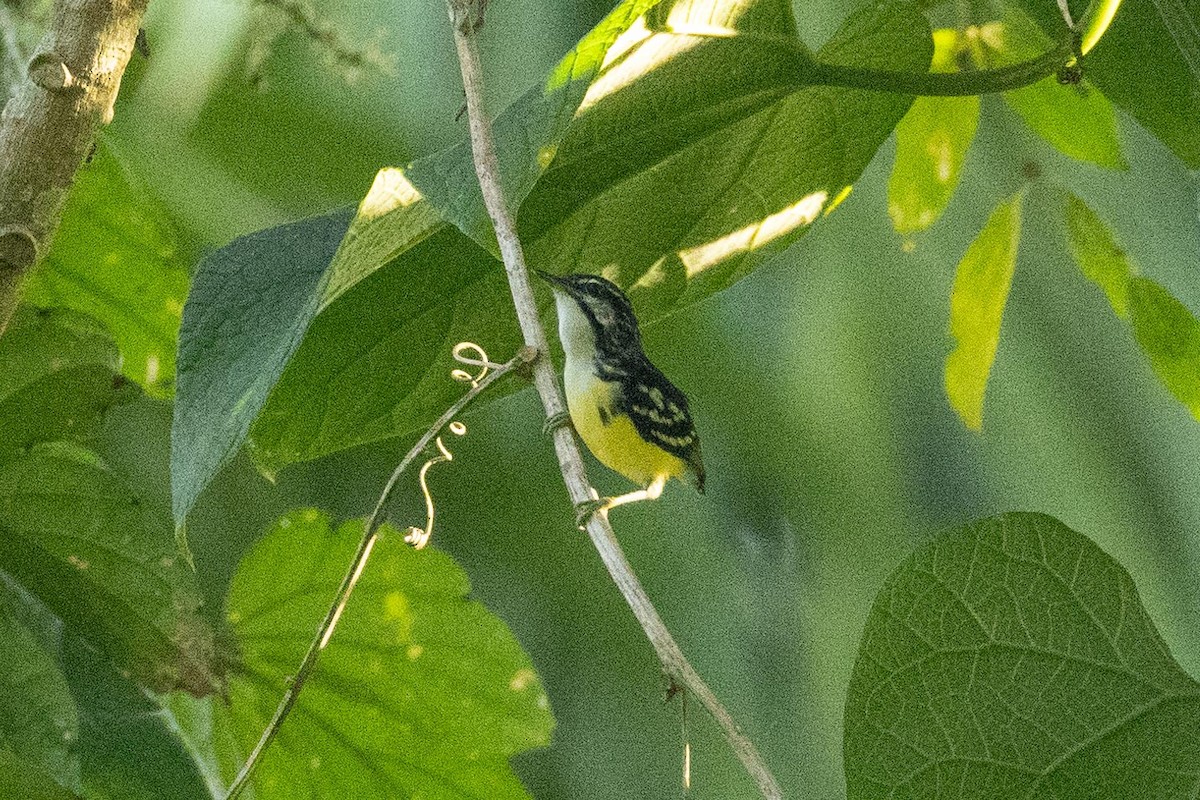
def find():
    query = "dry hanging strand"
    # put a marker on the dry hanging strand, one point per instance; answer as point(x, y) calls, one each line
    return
point(479, 383)
point(687, 744)
point(466, 18)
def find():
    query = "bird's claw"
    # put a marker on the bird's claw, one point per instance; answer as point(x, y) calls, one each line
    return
point(586, 509)
point(555, 421)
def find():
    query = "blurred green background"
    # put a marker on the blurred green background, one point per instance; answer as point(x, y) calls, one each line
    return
point(816, 384)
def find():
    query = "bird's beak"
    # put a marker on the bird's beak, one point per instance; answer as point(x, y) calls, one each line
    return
point(554, 281)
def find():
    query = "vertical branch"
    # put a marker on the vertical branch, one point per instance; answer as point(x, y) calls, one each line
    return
point(48, 127)
point(467, 18)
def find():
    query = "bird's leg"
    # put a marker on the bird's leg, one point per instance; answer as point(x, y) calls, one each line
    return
point(585, 510)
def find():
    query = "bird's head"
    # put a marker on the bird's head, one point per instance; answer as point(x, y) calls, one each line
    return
point(609, 315)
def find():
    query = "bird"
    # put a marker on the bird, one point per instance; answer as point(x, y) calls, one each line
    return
point(630, 416)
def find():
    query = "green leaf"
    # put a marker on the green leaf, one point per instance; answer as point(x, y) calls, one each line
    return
point(19, 779)
point(1144, 65)
point(39, 724)
point(977, 307)
point(1013, 659)
point(931, 143)
point(1076, 120)
point(527, 134)
point(689, 161)
point(1166, 330)
point(253, 301)
point(57, 379)
point(250, 304)
point(114, 258)
point(88, 532)
point(420, 692)
point(1169, 335)
point(1099, 257)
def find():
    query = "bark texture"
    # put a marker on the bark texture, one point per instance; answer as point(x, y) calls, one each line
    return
point(48, 127)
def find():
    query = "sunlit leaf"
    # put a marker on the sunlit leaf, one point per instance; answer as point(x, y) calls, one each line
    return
point(1097, 254)
point(253, 301)
point(1145, 65)
point(39, 725)
point(114, 259)
point(931, 143)
point(420, 693)
point(1013, 659)
point(1169, 334)
point(88, 532)
point(715, 142)
point(977, 307)
point(1076, 120)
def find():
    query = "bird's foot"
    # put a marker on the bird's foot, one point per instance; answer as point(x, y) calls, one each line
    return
point(555, 421)
point(586, 509)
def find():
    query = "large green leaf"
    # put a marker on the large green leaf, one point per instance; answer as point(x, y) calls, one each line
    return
point(690, 158)
point(1077, 120)
point(253, 301)
point(931, 143)
point(1013, 659)
point(977, 308)
point(250, 304)
point(39, 724)
point(420, 693)
point(88, 531)
point(57, 379)
point(114, 258)
point(1147, 62)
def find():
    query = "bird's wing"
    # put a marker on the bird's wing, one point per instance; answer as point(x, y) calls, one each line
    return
point(659, 412)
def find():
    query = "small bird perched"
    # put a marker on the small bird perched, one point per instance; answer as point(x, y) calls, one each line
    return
point(634, 420)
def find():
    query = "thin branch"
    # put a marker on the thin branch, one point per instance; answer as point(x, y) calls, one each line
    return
point(300, 15)
point(466, 16)
point(48, 127)
point(370, 532)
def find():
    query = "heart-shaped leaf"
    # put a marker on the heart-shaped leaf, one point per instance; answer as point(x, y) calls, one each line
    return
point(1013, 659)
point(420, 693)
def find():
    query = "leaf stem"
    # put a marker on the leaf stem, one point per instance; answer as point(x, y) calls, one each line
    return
point(941, 84)
point(370, 532)
point(811, 72)
point(467, 18)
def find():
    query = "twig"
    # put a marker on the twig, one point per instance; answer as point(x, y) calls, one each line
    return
point(370, 531)
point(301, 15)
point(466, 16)
point(48, 127)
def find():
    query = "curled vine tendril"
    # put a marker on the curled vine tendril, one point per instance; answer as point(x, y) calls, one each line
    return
point(472, 355)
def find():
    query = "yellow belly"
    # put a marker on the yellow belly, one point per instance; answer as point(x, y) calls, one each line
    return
point(616, 444)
